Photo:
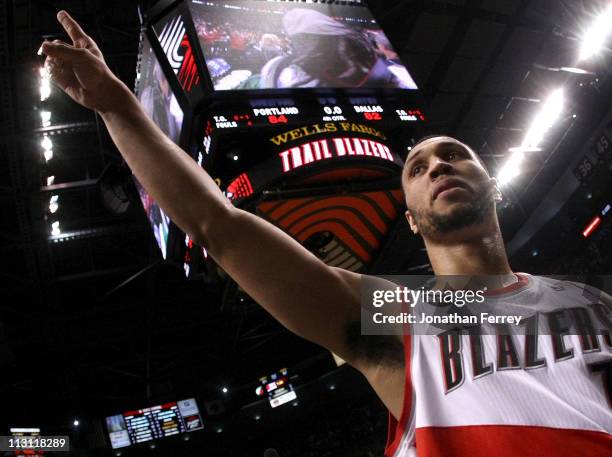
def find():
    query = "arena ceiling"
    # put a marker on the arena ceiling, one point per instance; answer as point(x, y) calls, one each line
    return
point(110, 326)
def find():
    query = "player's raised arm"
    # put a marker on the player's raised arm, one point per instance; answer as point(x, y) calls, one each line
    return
point(308, 297)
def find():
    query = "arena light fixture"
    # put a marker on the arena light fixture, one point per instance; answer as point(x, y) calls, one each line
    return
point(55, 228)
point(45, 84)
point(46, 143)
point(45, 118)
point(50, 180)
point(54, 204)
point(551, 110)
point(595, 37)
point(522, 149)
point(47, 146)
point(545, 119)
point(512, 168)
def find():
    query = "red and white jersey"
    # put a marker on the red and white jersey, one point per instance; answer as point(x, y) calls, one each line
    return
point(514, 395)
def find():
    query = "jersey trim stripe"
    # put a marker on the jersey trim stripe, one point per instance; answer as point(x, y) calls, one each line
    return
point(511, 441)
point(397, 431)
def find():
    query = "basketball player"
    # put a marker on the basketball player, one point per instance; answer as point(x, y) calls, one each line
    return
point(448, 395)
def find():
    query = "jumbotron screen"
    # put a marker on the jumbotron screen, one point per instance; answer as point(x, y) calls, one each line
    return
point(251, 44)
point(147, 424)
point(158, 101)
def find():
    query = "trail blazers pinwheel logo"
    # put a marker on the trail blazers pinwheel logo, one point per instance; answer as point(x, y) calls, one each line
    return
point(175, 43)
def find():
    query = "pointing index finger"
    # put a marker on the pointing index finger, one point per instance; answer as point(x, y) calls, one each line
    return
point(72, 28)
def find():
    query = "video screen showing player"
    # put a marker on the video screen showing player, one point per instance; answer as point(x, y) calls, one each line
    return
point(155, 95)
point(249, 44)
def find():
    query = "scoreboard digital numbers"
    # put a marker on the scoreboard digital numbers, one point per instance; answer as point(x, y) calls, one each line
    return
point(159, 421)
point(278, 113)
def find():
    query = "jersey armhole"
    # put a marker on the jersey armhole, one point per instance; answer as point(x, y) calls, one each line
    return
point(398, 429)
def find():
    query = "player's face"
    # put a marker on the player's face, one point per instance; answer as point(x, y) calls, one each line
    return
point(447, 189)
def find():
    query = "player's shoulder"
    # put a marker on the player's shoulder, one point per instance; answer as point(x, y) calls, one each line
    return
point(579, 291)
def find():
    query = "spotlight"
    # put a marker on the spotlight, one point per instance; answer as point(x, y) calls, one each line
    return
point(235, 158)
point(541, 125)
point(76, 421)
point(511, 169)
point(48, 154)
point(55, 231)
point(46, 143)
point(45, 84)
point(219, 430)
point(546, 118)
point(257, 417)
point(54, 206)
point(594, 39)
point(50, 180)
point(522, 149)
point(45, 117)
point(224, 390)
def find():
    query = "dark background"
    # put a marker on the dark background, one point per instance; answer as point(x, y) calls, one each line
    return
point(97, 324)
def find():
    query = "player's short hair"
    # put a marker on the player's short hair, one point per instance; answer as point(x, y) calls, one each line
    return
point(440, 135)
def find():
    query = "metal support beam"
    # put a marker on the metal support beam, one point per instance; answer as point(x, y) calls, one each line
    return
point(61, 129)
point(68, 186)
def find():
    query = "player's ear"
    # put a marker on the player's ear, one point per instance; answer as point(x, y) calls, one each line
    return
point(497, 195)
point(411, 222)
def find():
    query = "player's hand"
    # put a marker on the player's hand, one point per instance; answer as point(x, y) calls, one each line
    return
point(79, 69)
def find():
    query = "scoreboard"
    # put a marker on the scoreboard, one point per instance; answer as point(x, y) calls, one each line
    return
point(271, 115)
point(276, 388)
point(159, 421)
